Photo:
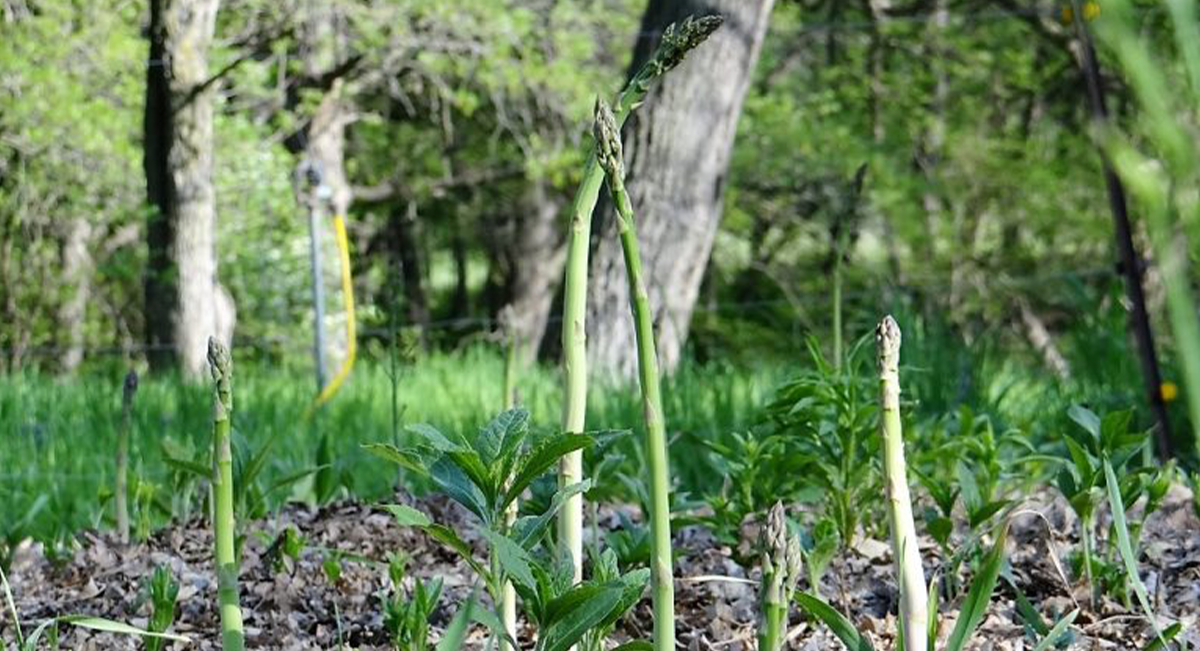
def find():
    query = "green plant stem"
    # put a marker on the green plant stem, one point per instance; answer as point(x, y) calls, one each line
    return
point(232, 635)
point(609, 146)
point(121, 489)
point(909, 574)
point(674, 46)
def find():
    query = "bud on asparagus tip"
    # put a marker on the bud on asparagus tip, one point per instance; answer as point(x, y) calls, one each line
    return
point(608, 140)
point(680, 39)
point(131, 384)
point(887, 340)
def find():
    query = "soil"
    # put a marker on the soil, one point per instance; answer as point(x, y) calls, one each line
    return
point(298, 605)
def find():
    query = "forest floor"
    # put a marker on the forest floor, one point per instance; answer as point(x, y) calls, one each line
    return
point(299, 607)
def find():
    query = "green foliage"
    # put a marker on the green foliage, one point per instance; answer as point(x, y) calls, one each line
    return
point(162, 590)
point(406, 613)
point(828, 417)
point(485, 473)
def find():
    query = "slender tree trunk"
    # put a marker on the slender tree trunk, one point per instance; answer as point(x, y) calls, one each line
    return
point(677, 148)
point(183, 301)
point(76, 269)
point(404, 241)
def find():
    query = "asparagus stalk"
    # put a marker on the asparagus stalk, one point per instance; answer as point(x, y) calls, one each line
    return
point(909, 574)
point(608, 148)
point(508, 595)
point(121, 494)
point(781, 565)
point(219, 363)
point(676, 42)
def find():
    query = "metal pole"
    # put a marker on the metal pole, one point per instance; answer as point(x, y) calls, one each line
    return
point(316, 196)
point(1131, 262)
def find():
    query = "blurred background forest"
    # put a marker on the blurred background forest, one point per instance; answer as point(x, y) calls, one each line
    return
point(929, 157)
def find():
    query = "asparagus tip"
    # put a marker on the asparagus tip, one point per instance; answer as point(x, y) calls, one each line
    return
point(681, 38)
point(131, 385)
point(887, 340)
point(608, 140)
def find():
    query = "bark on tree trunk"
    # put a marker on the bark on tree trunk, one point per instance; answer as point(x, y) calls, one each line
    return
point(677, 151)
point(184, 304)
point(529, 254)
point(77, 267)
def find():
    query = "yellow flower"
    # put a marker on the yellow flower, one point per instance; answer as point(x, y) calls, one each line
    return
point(1169, 391)
point(1091, 9)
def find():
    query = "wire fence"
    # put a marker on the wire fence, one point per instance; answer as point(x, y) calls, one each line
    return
point(800, 299)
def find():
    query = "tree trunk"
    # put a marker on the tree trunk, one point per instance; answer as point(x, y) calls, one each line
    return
point(184, 304)
point(677, 150)
point(528, 257)
point(77, 268)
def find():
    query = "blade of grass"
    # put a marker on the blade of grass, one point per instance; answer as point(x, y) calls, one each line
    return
point(1058, 631)
point(980, 595)
point(1126, 548)
point(837, 622)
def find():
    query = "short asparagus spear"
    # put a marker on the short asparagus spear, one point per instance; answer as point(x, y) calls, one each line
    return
point(608, 153)
point(121, 494)
point(221, 366)
point(781, 565)
point(909, 574)
point(676, 42)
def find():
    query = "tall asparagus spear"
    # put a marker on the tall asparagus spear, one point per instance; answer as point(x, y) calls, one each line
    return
point(608, 148)
point(121, 494)
point(914, 600)
point(221, 366)
point(676, 42)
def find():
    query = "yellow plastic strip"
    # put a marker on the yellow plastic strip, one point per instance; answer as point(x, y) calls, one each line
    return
point(339, 229)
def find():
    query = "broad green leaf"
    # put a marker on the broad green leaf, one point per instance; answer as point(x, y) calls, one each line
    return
point(109, 626)
point(409, 459)
point(527, 531)
point(562, 606)
point(455, 483)
point(197, 470)
point(1168, 635)
point(975, 606)
point(837, 622)
point(434, 437)
point(573, 623)
point(1125, 547)
point(931, 629)
point(1087, 419)
point(501, 437)
point(512, 557)
point(540, 459)
point(634, 645)
point(1054, 634)
point(633, 586)
point(407, 516)
point(1082, 461)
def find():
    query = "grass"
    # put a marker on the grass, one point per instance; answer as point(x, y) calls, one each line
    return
point(59, 427)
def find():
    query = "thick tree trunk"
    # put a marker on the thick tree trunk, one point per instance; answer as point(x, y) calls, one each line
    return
point(528, 257)
point(184, 304)
point(677, 151)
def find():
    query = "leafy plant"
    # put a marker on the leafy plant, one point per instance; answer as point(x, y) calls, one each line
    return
point(406, 613)
point(827, 418)
point(758, 470)
point(1082, 481)
point(485, 474)
point(163, 591)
